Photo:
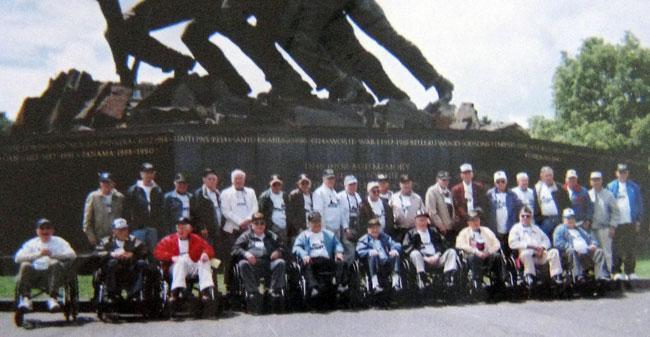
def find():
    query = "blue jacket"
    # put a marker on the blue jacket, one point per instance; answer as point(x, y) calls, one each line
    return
point(364, 245)
point(581, 204)
point(513, 205)
point(302, 245)
point(633, 194)
point(563, 240)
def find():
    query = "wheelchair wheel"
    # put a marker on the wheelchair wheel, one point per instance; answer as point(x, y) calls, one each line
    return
point(357, 286)
point(19, 314)
point(296, 290)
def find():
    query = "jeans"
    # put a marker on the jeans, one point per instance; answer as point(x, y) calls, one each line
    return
point(147, 235)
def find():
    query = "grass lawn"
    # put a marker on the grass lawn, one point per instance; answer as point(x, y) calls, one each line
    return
point(7, 286)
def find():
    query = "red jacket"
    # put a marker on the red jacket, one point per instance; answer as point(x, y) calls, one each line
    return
point(460, 204)
point(168, 247)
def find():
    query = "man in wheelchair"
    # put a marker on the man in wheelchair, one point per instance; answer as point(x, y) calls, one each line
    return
point(380, 254)
point(318, 250)
point(45, 262)
point(534, 248)
point(259, 252)
point(186, 254)
point(124, 262)
point(579, 249)
point(426, 249)
point(481, 249)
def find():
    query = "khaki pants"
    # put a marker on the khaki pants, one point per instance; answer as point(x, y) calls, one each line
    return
point(448, 259)
point(531, 260)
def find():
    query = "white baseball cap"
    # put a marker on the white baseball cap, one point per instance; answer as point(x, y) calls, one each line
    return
point(568, 213)
point(571, 174)
point(466, 168)
point(371, 185)
point(522, 175)
point(349, 180)
point(498, 175)
point(596, 175)
point(120, 223)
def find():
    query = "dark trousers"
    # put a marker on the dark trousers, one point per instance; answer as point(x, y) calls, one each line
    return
point(479, 266)
point(548, 224)
point(251, 274)
point(224, 243)
point(323, 265)
point(625, 247)
point(503, 240)
point(50, 279)
point(124, 275)
point(376, 266)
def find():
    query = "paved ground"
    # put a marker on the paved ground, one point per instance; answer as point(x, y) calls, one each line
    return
point(628, 315)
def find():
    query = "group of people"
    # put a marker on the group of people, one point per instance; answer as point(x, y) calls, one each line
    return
point(550, 223)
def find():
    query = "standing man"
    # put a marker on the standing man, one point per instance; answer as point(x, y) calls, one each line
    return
point(351, 206)
point(579, 248)
point(504, 206)
point(551, 200)
point(43, 261)
point(525, 194)
point(630, 205)
point(239, 205)
point(273, 205)
point(467, 195)
point(405, 204)
point(144, 207)
point(177, 203)
point(440, 206)
point(301, 204)
point(580, 201)
point(605, 219)
point(328, 204)
point(375, 207)
point(384, 187)
point(534, 248)
point(206, 210)
point(101, 208)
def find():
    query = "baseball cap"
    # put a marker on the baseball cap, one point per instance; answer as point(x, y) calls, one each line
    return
point(275, 179)
point(442, 175)
point(349, 179)
point(328, 173)
point(146, 167)
point(257, 217)
point(373, 222)
point(500, 175)
point(466, 168)
point(183, 221)
point(43, 222)
point(475, 213)
point(568, 213)
point(622, 167)
point(314, 217)
point(382, 177)
point(303, 177)
point(105, 177)
point(596, 175)
point(120, 223)
point(571, 174)
point(180, 178)
point(404, 178)
point(522, 175)
point(421, 214)
point(372, 185)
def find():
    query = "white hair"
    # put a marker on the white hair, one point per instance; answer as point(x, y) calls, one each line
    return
point(236, 173)
point(522, 175)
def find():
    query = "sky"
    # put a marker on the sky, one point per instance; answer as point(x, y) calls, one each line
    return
point(501, 55)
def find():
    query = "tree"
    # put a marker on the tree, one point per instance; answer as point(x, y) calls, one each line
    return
point(5, 124)
point(601, 98)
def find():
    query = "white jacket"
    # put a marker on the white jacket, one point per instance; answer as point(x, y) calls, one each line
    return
point(31, 250)
point(517, 239)
point(328, 204)
point(235, 209)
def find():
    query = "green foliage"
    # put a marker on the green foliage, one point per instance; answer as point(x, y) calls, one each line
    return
point(601, 98)
point(5, 124)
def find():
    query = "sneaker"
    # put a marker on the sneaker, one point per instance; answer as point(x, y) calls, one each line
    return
point(619, 277)
point(580, 279)
point(342, 288)
point(277, 293)
point(25, 303)
point(206, 294)
point(530, 280)
point(377, 289)
point(632, 277)
point(397, 284)
point(53, 304)
point(558, 279)
point(421, 279)
point(314, 292)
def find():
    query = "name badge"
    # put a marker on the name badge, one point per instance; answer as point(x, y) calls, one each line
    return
point(259, 244)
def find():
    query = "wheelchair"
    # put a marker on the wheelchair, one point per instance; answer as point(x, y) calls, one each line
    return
point(543, 288)
point(69, 292)
point(590, 287)
point(332, 295)
point(145, 303)
point(362, 292)
point(260, 303)
point(435, 290)
point(502, 281)
point(189, 303)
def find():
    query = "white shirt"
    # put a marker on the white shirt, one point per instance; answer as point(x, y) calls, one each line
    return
point(185, 199)
point(237, 206)
point(379, 211)
point(469, 196)
point(183, 247)
point(528, 235)
point(623, 202)
point(30, 251)
point(317, 242)
point(309, 205)
point(501, 213)
point(279, 215)
point(427, 246)
point(350, 205)
point(579, 244)
point(327, 203)
point(546, 201)
point(527, 197)
point(386, 195)
point(147, 191)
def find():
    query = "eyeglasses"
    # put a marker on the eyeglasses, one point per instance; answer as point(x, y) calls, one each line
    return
point(525, 216)
point(259, 222)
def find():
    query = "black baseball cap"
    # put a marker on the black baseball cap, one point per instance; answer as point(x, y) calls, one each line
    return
point(382, 177)
point(105, 177)
point(180, 178)
point(43, 222)
point(622, 167)
point(328, 173)
point(421, 214)
point(183, 221)
point(443, 175)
